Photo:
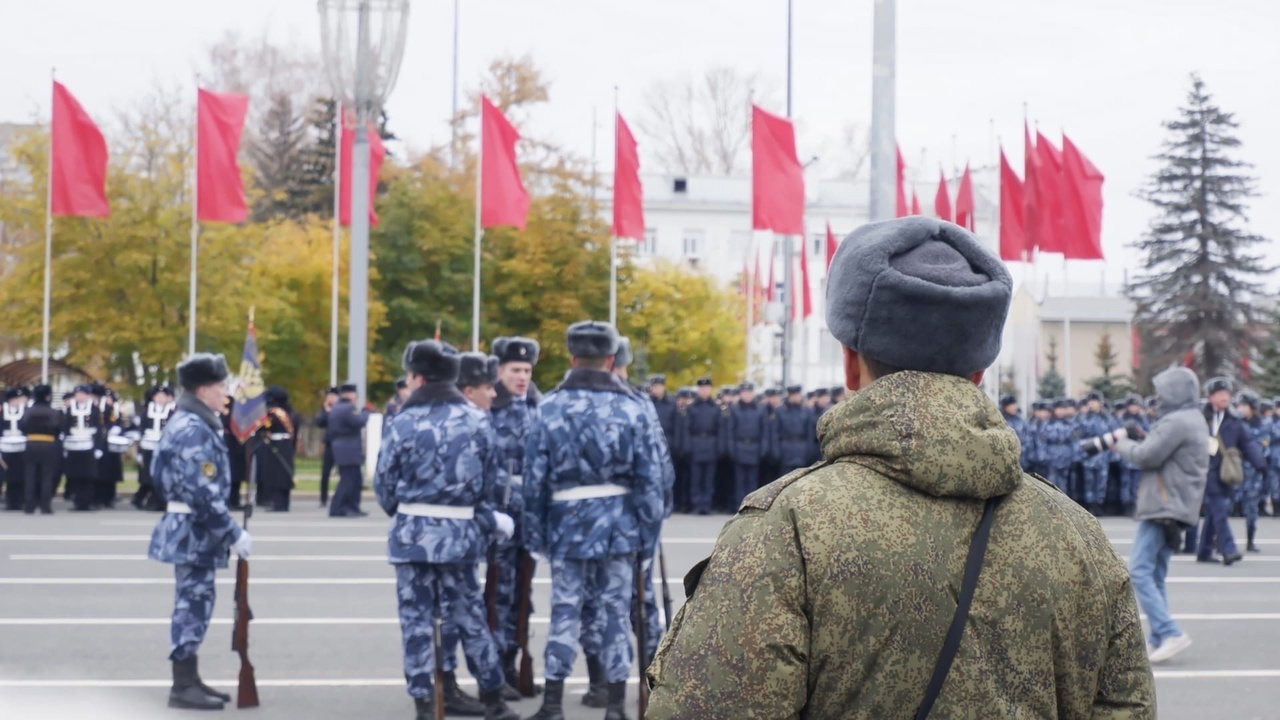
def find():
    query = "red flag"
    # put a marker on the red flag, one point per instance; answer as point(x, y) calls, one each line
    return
point(78, 159)
point(831, 244)
point(902, 188)
point(219, 188)
point(1189, 360)
point(1082, 200)
point(1013, 234)
point(1030, 192)
point(942, 200)
point(503, 199)
point(628, 208)
point(915, 203)
point(1049, 195)
point(804, 303)
point(777, 179)
point(1137, 347)
point(377, 153)
point(964, 201)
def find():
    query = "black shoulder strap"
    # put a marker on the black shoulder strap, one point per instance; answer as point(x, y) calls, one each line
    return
point(951, 646)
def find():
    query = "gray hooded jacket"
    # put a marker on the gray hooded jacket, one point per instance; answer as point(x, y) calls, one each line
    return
point(1174, 457)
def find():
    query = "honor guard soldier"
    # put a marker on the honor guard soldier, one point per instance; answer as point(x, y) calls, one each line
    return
point(1093, 422)
point(346, 421)
point(796, 431)
point(41, 425)
point(82, 423)
point(747, 440)
point(192, 470)
point(513, 412)
point(593, 506)
point(435, 479)
point(397, 400)
point(1252, 491)
point(275, 444)
point(1273, 473)
point(326, 462)
point(13, 445)
point(664, 405)
point(113, 443)
point(700, 439)
point(236, 452)
point(1013, 416)
point(844, 590)
point(151, 421)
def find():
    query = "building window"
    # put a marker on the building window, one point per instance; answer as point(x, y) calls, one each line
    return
point(649, 246)
point(818, 244)
point(693, 243)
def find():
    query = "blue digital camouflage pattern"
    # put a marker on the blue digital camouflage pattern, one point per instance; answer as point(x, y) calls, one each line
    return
point(462, 603)
point(608, 582)
point(1060, 436)
point(511, 418)
point(1037, 451)
point(1254, 487)
point(191, 466)
point(1022, 429)
point(1090, 425)
point(193, 596)
point(438, 450)
point(593, 431)
point(1274, 459)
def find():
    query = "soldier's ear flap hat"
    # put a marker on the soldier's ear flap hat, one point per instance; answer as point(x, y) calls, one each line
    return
point(516, 349)
point(1248, 398)
point(919, 294)
point(658, 379)
point(592, 339)
point(1008, 400)
point(201, 369)
point(623, 358)
point(42, 394)
point(473, 370)
point(434, 360)
point(1218, 384)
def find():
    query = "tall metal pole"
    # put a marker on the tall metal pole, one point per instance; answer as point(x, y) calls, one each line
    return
point(48, 246)
point(337, 241)
point(787, 294)
point(475, 279)
point(884, 167)
point(195, 226)
point(358, 298)
point(453, 117)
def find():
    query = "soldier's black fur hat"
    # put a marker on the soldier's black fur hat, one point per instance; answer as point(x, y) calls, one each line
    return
point(98, 389)
point(1133, 400)
point(87, 389)
point(332, 390)
point(658, 379)
point(1008, 400)
point(592, 339)
point(1064, 403)
point(516, 349)
point(434, 360)
point(705, 381)
point(201, 369)
point(1266, 405)
point(1042, 405)
point(1094, 395)
point(475, 369)
point(919, 294)
point(1218, 384)
point(15, 392)
point(1250, 399)
point(276, 396)
point(623, 357)
point(794, 389)
point(42, 394)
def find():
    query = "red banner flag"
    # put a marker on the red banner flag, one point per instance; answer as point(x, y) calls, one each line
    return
point(964, 202)
point(628, 198)
point(219, 187)
point(901, 203)
point(503, 199)
point(915, 203)
point(377, 153)
point(942, 200)
point(831, 244)
point(1013, 235)
point(777, 179)
point(1082, 201)
point(78, 159)
point(804, 303)
point(1049, 194)
point(1030, 192)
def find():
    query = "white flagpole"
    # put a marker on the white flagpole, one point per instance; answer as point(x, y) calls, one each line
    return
point(749, 268)
point(338, 126)
point(475, 283)
point(48, 245)
point(195, 226)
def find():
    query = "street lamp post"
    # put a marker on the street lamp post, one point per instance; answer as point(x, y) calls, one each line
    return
point(362, 43)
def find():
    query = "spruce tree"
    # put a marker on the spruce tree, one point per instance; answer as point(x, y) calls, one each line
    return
point(275, 153)
point(1200, 288)
point(1112, 387)
point(1052, 384)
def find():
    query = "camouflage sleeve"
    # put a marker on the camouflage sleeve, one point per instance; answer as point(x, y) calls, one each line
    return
point(740, 642)
point(487, 448)
point(649, 492)
point(387, 476)
point(208, 507)
point(1126, 688)
point(536, 491)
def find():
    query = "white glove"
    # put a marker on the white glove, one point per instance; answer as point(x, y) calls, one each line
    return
point(114, 431)
point(1120, 434)
point(645, 565)
point(97, 454)
point(538, 557)
point(506, 526)
point(243, 545)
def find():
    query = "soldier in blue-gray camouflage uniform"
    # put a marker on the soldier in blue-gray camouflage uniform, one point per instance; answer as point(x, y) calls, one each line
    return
point(191, 469)
point(1094, 423)
point(1009, 411)
point(1254, 488)
point(594, 504)
point(434, 478)
point(1060, 438)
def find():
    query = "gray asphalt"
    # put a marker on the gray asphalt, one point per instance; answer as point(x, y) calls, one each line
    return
point(84, 621)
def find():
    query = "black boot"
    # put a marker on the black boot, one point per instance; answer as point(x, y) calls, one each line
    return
point(509, 674)
point(597, 690)
point(195, 669)
point(552, 702)
point(495, 708)
point(186, 692)
point(1251, 546)
point(425, 709)
point(457, 702)
point(617, 701)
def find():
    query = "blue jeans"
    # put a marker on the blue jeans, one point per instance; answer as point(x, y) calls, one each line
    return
point(1148, 568)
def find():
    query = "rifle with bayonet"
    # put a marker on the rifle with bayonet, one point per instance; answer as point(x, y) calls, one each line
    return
point(437, 649)
point(642, 636)
point(666, 588)
point(491, 567)
point(247, 691)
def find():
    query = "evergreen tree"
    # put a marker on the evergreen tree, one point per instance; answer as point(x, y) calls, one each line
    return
point(1009, 381)
point(1052, 384)
point(1112, 387)
point(1200, 290)
point(1266, 369)
point(275, 154)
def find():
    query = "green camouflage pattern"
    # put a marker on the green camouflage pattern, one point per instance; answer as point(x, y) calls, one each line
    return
point(829, 594)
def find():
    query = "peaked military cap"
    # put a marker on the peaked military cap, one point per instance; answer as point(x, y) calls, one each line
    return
point(772, 392)
point(333, 390)
point(1218, 384)
point(623, 357)
point(348, 387)
point(704, 382)
point(794, 389)
point(592, 339)
point(728, 389)
point(87, 389)
point(516, 349)
point(201, 369)
point(434, 360)
point(686, 392)
point(1008, 400)
point(15, 392)
point(166, 389)
point(838, 391)
point(746, 386)
point(821, 392)
point(475, 369)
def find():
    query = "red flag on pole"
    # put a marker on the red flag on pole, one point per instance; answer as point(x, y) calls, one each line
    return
point(219, 187)
point(1013, 234)
point(964, 201)
point(804, 303)
point(915, 203)
point(628, 202)
point(942, 200)
point(777, 179)
point(78, 171)
point(1082, 196)
point(503, 199)
point(1049, 189)
point(831, 244)
point(901, 205)
point(1030, 192)
point(377, 153)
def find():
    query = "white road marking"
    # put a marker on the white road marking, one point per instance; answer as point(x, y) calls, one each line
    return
point(676, 588)
point(42, 557)
point(280, 683)
point(104, 622)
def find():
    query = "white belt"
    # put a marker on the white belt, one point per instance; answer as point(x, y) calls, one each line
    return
point(279, 436)
point(178, 508)
point(587, 492)
point(517, 480)
point(444, 512)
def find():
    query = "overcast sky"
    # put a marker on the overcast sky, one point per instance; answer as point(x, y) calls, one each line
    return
point(1106, 71)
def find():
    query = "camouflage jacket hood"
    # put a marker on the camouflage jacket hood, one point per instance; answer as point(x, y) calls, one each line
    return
point(902, 425)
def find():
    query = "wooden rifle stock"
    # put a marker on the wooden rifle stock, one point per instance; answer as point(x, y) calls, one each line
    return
point(524, 573)
point(642, 637)
point(666, 587)
point(437, 648)
point(247, 690)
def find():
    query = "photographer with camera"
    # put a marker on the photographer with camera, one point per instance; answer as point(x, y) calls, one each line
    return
point(1174, 459)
